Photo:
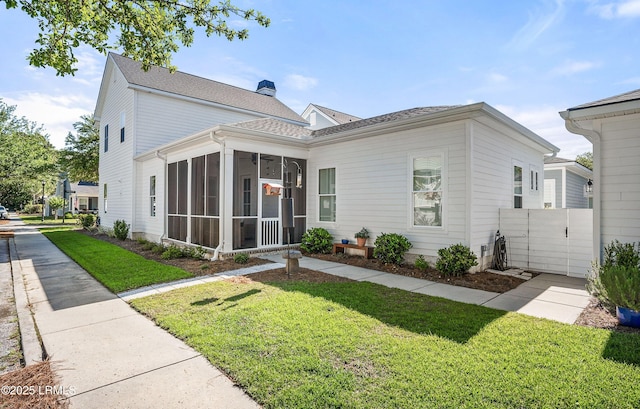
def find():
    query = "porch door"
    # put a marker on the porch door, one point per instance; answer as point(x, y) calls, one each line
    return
point(270, 232)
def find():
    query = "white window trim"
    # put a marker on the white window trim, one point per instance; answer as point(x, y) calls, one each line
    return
point(444, 154)
point(153, 203)
point(317, 192)
point(517, 163)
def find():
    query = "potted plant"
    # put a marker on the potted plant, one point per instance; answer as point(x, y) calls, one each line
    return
point(615, 283)
point(362, 236)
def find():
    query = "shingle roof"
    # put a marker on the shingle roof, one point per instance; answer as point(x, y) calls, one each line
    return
point(184, 84)
point(276, 127)
point(393, 116)
point(627, 96)
point(339, 117)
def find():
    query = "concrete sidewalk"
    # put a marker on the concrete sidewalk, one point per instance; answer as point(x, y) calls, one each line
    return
point(107, 354)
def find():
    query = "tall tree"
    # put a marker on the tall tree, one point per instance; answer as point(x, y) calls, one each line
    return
point(585, 159)
point(146, 30)
point(81, 153)
point(26, 157)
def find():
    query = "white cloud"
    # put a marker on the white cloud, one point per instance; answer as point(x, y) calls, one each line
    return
point(623, 9)
point(497, 78)
point(300, 82)
point(546, 122)
point(539, 21)
point(574, 67)
point(56, 113)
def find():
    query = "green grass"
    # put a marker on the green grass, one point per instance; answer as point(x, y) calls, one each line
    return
point(118, 269)
point(37, 219)
point(362, 345)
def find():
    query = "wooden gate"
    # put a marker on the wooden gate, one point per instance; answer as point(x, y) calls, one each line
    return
point(549, 240)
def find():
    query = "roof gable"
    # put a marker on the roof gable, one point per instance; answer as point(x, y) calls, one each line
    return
point(186, 85)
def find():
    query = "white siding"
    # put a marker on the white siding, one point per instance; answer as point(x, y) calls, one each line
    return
point(619, 179)
point(576, 198)
point(373, 185)
point(116, 165)
point(161, 119)
point(151, 227)
point(493, 156)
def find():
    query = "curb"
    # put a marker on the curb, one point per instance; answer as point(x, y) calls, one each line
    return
point(32, 349)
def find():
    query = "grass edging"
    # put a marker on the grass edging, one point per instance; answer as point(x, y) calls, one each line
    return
point(116, 268)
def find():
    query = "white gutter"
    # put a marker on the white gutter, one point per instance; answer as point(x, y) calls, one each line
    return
point(220, 196)
point(164, 169)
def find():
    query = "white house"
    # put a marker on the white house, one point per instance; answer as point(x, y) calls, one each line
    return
point(567, 184)
point(613, 126)
point(204, 173)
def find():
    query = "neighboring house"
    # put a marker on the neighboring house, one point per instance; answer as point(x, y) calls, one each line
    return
point(84, 198)
point(321, 117)
point(612, 125)
point(567, 184)
point(437, 175)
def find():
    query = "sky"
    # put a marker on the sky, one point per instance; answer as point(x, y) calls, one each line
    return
point(530, 59)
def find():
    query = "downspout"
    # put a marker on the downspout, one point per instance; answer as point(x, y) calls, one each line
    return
point(164, 216)
point(594, 137)
point(221, 195)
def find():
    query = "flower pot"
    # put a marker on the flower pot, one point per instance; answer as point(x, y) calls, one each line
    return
point(361, 241)
point(628, 317)
point(345, 241)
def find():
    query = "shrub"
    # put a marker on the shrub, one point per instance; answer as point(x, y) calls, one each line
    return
point(194, 252)
point(390, 248)
point(120, 229)
point(33, 208)
point(69, 215)
point(158, 248)
point(171, 252)
point(317, 240)
point(455, 260)
point(616, 281)
point(421, 264)
point(241, 258)
point(150, 246)
point(87, 220)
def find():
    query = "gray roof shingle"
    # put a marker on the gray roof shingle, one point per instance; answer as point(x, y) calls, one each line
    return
point(339, 117)
point(276, 127)
point(627, 96)
point(183, 84)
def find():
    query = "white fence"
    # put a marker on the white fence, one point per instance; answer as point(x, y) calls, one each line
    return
point(549, 240)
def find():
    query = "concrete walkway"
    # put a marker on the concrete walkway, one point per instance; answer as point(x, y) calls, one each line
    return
point(107, 354)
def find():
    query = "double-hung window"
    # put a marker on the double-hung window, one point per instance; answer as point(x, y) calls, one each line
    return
point(123, 121)
point(327, 194)
point(427, 190)
point(106, 138)
point(152, 195)
point(517, 187)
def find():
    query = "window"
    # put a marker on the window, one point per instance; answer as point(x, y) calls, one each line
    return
point(327, 194)
point(106, 138)
point(152, 196)
point(533, 179)
point(123, 120)
point(517, 187)
point(427, 191)
point(104, 197)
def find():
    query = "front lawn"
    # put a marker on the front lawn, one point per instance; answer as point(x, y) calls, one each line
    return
point(118, 269)
point(362, 345)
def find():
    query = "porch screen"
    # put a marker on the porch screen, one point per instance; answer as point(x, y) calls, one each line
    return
point(177, 179)
point(245, 199)
point(205, 206)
